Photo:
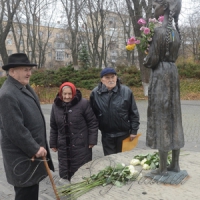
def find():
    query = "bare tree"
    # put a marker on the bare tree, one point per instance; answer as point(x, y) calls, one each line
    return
point(32, 29)
point(93, 20)
point(190, 30)
point(103, 30)
point(8, 9)
point(126, 31)
point(72, 11)
point(137, 10)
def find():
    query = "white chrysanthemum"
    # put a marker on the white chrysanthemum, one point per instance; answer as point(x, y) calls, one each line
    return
point(135, 162)
point(132, 170)
point(143, 161)
point(123, 165)
point(146, 167)
point(131, 167)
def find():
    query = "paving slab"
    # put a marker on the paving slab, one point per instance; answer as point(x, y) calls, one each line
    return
point(189, 161)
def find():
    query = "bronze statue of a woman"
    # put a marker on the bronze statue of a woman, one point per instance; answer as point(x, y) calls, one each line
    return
point(164, 126)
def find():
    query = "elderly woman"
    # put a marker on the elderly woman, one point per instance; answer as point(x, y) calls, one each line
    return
point(74, 130)
point(164, 127)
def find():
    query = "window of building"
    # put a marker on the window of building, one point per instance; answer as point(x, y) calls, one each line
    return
point(60, 55)
point(49, 54)
point(49, 44)
point(66, 37)
point(113, 59)
point(9, 41)
point(21, 42)
point(40, 33)
point(59, 45)
point(50, 34)
point(9, 52)
point(19, 31)
point(67, 55)
point(57, 35)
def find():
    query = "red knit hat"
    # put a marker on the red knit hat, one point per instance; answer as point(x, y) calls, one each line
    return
point(71, 85)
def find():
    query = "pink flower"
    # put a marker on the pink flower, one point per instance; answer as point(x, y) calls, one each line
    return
point(141, 21)
point(137, 42)
point(142, 28)
point(146, 31)
point(131, 41)
point(161, 18)
point(154, 20)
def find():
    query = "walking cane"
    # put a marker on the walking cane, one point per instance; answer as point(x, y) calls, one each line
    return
point(50, 177)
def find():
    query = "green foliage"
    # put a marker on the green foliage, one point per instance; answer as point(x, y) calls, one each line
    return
point(145, 39)
point(43, 78)
point(189, 70)
point(192, 85)
point(2, 79)
point(118, 175)
point(84, 58)
point(54, 78)
point(129, 76)
point(83, 78)
point(152, 159)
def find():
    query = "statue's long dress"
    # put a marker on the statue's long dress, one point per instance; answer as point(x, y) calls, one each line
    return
point(164, 121)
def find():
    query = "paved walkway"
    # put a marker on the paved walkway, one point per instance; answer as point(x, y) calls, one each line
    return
point(189, 161)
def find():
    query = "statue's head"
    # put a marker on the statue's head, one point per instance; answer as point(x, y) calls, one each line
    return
point(171, 6)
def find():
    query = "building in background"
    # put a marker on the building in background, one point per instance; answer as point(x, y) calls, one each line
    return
point(48, 44)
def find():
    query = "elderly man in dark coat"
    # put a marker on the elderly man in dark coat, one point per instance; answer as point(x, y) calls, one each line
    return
point(23, 130)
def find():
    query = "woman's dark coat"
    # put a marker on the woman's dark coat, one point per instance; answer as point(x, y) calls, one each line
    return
point(164, 127)
point(73, 128)
point(23, 132)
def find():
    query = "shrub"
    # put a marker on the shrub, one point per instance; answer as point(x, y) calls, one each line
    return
point(2, 79)
point(129, 76)
point(188, 70)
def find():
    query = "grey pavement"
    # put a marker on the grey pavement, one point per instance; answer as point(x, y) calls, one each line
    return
point(191, 126)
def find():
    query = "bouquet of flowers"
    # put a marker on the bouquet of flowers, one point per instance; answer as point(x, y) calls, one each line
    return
point(118, 175)
point(144, 41)
point(149, 161)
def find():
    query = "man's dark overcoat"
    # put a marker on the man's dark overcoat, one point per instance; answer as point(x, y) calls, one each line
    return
point(23, 132)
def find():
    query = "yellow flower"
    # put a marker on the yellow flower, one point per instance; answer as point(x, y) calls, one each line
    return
point(130, 47)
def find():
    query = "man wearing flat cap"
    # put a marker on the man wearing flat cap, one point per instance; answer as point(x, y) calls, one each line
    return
point(23, 130)
point(116, 110)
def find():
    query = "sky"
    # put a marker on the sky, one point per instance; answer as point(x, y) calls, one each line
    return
point(188, 7)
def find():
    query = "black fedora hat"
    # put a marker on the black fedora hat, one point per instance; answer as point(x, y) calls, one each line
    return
point(16, 60)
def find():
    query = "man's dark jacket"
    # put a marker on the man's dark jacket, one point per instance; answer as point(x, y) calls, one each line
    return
point(116, 110)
